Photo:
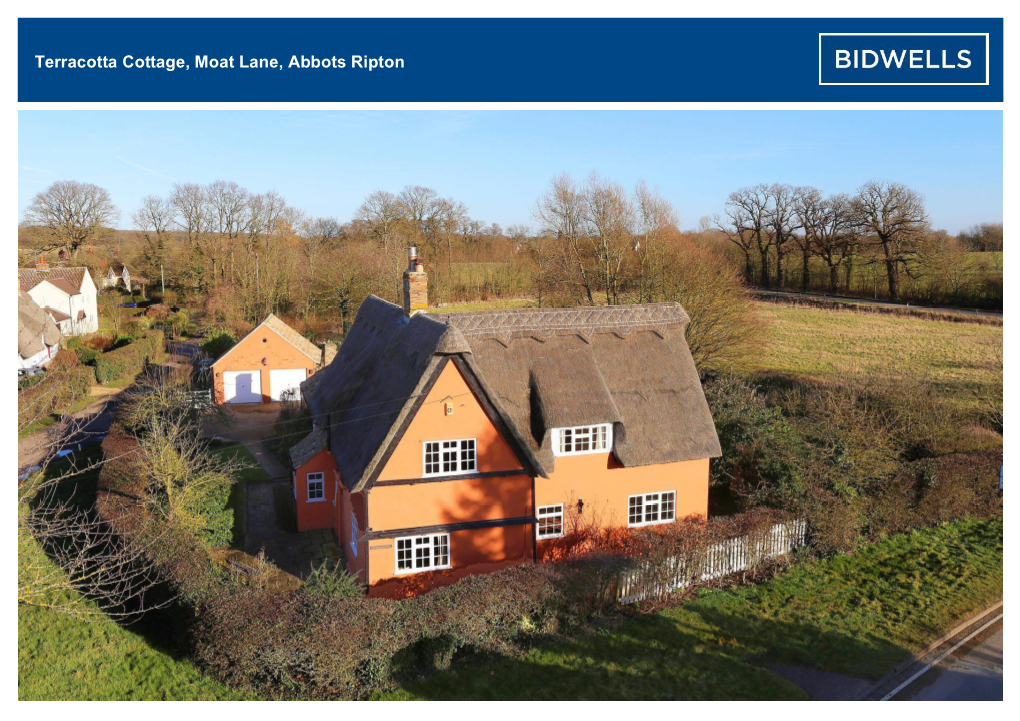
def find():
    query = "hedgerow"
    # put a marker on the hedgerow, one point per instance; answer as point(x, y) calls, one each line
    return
point(131, 358)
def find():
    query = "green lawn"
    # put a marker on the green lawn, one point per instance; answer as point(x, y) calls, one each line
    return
point(857, 615)
point(961, 358)
point(63, 657)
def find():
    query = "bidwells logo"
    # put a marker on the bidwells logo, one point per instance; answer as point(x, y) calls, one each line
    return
point(902, 59)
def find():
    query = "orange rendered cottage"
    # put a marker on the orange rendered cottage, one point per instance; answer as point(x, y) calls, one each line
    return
point(463, 443)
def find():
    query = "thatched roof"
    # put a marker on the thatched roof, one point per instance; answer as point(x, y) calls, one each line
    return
point(538, 369)
point(35, 327)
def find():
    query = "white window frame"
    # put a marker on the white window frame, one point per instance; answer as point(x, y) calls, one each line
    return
point(658, 502)
point(598, 435)
point(442, 449)
point(415, 542)
point(354, 534)
point(546, 512)
point(321, 480)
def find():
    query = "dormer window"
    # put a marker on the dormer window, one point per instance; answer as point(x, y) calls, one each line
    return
point(579, 440)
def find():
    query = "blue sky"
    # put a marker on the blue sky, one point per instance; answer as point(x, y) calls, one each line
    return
point(498, 162)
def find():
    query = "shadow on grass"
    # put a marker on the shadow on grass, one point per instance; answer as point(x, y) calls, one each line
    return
point(76, 490)
point(703, 656)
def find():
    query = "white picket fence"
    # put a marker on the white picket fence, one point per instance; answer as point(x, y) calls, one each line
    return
point(720, 559)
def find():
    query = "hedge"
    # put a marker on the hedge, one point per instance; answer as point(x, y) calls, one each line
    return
point(307, 643)
point(65, 383)
point(130, 359)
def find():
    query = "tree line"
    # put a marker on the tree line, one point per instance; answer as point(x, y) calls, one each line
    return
point(782, 232)
point(238, 254)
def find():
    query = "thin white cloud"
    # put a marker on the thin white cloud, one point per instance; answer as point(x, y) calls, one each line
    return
point(34, 170)
point(147, 170)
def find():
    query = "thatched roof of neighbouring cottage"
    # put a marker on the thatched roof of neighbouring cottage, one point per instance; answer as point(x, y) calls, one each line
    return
point(534, 369)
point(35, 327)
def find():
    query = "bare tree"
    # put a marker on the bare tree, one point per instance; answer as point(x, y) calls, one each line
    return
point(192, 211)
point(69, 559)
point(656, 218)
point(748, 210)
point(830, 229)
point(561, 212)
point(895, 219)
point(782, 222)
point(450, 215)
point(73, 213)
point(381, 212)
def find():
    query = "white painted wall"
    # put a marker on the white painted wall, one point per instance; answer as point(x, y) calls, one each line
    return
point(39, 358)
point(48, 295)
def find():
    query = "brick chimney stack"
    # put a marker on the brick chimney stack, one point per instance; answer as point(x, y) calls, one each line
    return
point(41, 264)
point(416, 284)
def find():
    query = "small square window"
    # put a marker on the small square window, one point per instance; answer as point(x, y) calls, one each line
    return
point(316, 487)
point(550, 521)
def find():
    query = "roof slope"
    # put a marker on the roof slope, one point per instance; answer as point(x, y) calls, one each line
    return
point(35, 327)
point(539, 368)
point(293, 337)
point(288, 334)
point(68, 280)
point(627, 364)
point(381, 368)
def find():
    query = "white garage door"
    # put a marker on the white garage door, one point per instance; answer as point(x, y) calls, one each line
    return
point(285, 384)
point(242, 386)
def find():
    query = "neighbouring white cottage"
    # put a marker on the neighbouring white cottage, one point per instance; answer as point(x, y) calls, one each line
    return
point(117, 275)
point(67, 294)
point(38, 336)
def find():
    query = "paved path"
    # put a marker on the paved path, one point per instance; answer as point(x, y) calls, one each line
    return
point(88, 423)
point(974, 673)
point(271, 527)
point(876, 302)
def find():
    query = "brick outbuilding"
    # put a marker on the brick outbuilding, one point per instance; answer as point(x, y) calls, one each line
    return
point(269, 364)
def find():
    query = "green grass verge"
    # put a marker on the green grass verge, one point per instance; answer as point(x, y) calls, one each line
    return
point(66, 657)
point(856, 615)
point(962, 359)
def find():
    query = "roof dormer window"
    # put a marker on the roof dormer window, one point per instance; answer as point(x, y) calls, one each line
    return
point(579, 440)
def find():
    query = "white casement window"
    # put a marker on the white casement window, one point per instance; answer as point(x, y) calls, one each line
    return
point(550, 521)
point(354, 534)
point(651, 508)
point(416, 554)
point(583, 439)
point(316, 487)
point(442, 458)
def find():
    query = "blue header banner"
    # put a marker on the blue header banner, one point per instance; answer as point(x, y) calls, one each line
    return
point(510, 60)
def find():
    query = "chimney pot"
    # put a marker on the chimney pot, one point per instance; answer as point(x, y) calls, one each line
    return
point(41, 264)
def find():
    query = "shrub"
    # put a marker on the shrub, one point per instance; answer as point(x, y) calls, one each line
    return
point(331, 580)
point(218, 343)
point(129, 359)
point(87, 355)
point(762, 452)
point(65, 383)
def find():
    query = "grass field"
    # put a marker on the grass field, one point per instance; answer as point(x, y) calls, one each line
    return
point(64, 657)
point(960, 358)
point(856, 615)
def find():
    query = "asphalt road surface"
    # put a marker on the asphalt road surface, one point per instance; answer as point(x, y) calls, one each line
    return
point(973, 673)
